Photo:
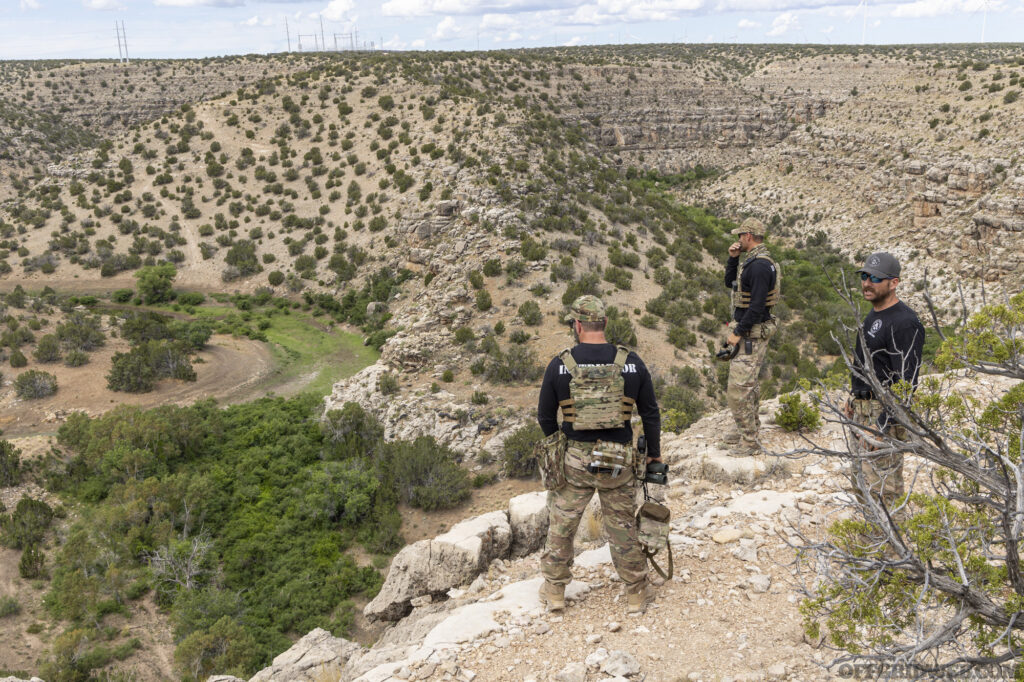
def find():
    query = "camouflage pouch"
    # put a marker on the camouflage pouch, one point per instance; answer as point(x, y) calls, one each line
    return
point(550, 454)
point(652, 522)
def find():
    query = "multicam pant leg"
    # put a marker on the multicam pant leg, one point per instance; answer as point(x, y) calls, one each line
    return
point(883, 474)
point(565, 509)
point(743, 392)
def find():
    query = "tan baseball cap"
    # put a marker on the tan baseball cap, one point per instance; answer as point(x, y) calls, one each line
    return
point(753, 226)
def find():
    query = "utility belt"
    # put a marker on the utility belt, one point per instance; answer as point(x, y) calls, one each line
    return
point(762, 330)
point(600, 457)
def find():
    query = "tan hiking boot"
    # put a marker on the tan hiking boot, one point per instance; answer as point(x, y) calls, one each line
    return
point(637, 602)
point(552, 596)
point(744, 450)
point(731, 438)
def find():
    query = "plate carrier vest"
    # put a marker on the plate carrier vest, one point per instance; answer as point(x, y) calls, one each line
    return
point(597, 399)
point(740, 298)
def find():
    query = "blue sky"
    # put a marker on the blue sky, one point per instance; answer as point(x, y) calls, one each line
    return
point(45, 29)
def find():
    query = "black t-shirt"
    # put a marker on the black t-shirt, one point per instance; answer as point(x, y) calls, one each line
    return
point(895, 338)
point(759, 279)
point(638, 385)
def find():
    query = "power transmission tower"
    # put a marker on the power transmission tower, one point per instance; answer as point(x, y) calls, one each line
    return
point(117, 32)
point(323, 42)
point(306, 35)
point(288, 34)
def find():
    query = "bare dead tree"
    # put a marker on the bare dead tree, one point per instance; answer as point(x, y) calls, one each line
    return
point(181, 563)
point(930, 584)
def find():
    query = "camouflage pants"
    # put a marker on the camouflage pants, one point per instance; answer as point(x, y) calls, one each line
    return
point(566, 507)
point(883, 475)
point(743, 392)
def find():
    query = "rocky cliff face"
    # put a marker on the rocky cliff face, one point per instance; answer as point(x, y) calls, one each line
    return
point(877, 152)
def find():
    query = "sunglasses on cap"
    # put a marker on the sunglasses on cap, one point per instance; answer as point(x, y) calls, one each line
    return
point(874, 280)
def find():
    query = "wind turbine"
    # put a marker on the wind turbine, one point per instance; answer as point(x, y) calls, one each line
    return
point(864, 26)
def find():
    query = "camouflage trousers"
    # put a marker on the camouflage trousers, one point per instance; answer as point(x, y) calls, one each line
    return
point(743, 392)
point(566, 507)
point(883, 475)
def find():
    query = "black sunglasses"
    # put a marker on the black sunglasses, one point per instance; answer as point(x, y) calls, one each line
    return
point(874, 280)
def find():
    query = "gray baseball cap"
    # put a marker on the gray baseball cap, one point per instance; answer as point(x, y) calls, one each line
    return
point(881, 264)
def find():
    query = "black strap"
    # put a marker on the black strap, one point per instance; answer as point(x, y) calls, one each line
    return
point(654, 564)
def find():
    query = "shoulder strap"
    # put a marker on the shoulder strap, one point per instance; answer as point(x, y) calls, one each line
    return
point(568, 360)
point(650, 558)
point(621, 353)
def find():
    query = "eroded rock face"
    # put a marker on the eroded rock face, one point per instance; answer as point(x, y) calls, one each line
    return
point(528, 517)
point(317, 656)
point(432, 567)
point(463, 427)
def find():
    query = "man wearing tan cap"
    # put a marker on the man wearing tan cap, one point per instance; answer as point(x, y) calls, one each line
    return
point(755, 281)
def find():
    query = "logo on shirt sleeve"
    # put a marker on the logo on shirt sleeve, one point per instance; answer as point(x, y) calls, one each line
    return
point(876, 327)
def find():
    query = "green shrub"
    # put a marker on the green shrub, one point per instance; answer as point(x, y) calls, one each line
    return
point(478, 398)
point(26, 525)
point(191, 298)
point(619, 329)
point(448, 376)
point(519, 336)
point(18, 358)
point(34, 384)
point(484, 479)
point(122, 295)
point(155, 283)
point(76, 358)
point(387, 384)
point(796, 415)
point(530, 314)
point(48, 349)
point(517, 365)
point(492, 267)
point(680, 407)
point(590, 283)
point(483, 300)
point(464, 335)
point(518, 458)
point(275, 278)
point(476, 280)
point(9, 606)
point(10, 465)
point(427, 474)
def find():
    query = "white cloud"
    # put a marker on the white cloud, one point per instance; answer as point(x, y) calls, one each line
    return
point(447, 29)
point(934, 8)
point(338, 10)
point(782, 23)
point(491, 22)
point(575, 40)
point(828, 30)
point(418, 44)
point(256, 21)
point(747, 23)
point(102, 5)
point(194, 3)
point(29, 4)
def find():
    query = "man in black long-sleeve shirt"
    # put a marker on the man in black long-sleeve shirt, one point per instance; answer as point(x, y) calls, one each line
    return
point(596, 385)
point(755, 281)
point(895, 341)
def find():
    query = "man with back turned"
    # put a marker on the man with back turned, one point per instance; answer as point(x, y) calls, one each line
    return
point(596, 385)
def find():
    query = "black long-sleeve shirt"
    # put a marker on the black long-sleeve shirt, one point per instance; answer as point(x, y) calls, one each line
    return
point(895, 338)
point(638, 385)
point(759, 279)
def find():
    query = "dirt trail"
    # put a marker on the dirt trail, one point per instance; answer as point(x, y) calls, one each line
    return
point(232, 370)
